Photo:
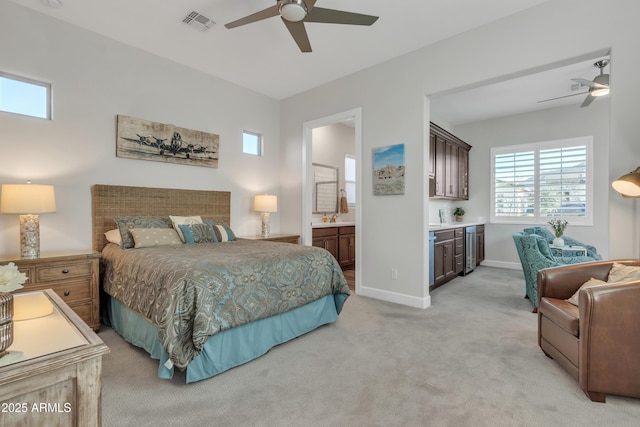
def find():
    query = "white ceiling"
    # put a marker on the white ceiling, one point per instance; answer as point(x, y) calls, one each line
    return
point(262, 56)
point(519, 94)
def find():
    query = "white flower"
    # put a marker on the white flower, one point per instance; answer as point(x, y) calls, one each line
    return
point(10, 278)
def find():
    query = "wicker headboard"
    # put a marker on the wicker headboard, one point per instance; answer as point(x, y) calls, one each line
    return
point(111, 201)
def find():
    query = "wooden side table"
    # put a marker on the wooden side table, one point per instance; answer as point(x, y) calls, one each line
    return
point(75, 277)
point(52, 373)
point(285, 238)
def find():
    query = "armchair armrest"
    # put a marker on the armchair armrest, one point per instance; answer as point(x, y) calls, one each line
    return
point(609, 344)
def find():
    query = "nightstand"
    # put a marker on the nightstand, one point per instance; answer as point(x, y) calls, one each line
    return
point(52, 373)
point(285, 238)
point(75, 277)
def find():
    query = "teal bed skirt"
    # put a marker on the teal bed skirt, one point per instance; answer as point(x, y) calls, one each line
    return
point(230, 348)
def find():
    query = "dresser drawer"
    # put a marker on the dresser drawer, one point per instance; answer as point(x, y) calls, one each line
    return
point(68, 291)
point(57, 272)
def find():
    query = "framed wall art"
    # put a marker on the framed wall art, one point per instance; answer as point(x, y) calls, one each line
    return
point(388, 170)
point(145, 140)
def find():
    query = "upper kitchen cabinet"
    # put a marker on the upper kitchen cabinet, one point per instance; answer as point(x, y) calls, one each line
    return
point(449, 165)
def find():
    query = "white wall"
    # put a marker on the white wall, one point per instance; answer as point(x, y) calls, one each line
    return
point(546, 125)
point(391, 96)
point(94, 79)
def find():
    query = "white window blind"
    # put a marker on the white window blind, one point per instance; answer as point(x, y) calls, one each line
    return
point(533, 183)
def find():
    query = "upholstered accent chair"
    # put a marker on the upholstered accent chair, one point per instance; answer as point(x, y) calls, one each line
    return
point(598, 341)
point(548, 235)
point(535, 255)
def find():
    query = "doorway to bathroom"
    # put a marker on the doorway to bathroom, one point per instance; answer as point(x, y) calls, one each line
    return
point(333, 143)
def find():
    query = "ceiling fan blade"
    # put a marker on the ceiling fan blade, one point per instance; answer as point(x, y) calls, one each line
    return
point(561, 97)
point(258, 16)
point(331, 16)
point(299, 34)
point(310, 4)
point(584, 82)
point(588, 100)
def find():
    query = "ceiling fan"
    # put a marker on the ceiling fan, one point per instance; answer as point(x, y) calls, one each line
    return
point(294, 13)
point(599, 86)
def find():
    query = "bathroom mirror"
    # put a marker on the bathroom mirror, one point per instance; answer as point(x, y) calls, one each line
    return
point(325, 189)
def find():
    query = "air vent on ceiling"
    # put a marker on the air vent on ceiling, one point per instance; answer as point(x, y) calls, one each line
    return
point(198, 21)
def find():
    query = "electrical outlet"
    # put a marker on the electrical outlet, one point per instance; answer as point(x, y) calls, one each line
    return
point(394, 273)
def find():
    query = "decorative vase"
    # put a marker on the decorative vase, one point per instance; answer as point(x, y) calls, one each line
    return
point(558, 241)
point(6, 322)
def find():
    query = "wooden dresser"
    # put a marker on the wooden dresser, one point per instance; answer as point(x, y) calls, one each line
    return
point(52, 373)
point(75, 277)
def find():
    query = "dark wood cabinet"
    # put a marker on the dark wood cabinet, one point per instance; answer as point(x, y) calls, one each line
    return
point(458, 251)
point(347, 247)
point(449, 253)
point(326, 238)
point(450, 161)
point(339, 241)
point(479, 244)
point(444, 257)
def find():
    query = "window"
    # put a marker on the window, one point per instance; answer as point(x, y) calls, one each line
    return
point(25, 96)
point(252, 143)
point(350, 179)
point(533, 183)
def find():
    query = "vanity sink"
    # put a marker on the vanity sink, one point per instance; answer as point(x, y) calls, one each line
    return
point(332, 224)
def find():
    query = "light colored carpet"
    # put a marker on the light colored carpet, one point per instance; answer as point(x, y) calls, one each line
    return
point(471, 359)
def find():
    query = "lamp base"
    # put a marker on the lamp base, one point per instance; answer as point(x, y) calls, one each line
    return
point(29, 236)
point(266, 224)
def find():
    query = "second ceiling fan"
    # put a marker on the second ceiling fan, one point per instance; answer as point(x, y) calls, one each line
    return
point(294, 13)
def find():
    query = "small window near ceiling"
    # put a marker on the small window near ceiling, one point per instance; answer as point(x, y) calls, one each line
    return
point(20, 95)
point(252, 143)
point(350, 179)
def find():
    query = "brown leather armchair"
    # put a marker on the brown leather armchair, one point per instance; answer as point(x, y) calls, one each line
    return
point(598, 343)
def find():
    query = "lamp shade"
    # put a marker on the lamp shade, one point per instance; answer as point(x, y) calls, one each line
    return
point(628, 185)
point(27, 199)
point(265, 203)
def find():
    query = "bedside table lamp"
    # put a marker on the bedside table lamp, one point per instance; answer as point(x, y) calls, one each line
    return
point(265, 203)
point(28, 201)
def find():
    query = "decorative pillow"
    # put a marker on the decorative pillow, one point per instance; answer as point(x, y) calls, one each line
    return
point(113, 236)
point(197, 233)
point(591, 282)
point(187, 220)
point(621, 272)
point(148, 237)
point(129, 222)
point(222, 231)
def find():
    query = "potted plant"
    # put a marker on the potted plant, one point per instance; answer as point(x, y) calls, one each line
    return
point(458, 213)
point(558, 226)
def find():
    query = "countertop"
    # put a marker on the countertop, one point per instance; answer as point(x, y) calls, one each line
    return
point(447, 226)
point(332, 224)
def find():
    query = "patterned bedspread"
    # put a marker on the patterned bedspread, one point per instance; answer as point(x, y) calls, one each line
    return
point(191, 292)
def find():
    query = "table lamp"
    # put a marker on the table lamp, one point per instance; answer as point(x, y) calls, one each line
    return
point(265, 203)
point(628, 185)
point(28, 201)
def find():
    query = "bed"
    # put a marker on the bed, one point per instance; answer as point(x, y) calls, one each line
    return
point(207, 307)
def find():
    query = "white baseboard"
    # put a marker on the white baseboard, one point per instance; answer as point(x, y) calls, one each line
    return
point(395, 297)
point(502, 264)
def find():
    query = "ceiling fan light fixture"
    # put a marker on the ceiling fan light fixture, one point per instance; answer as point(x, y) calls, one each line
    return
point(293, 10)
point(600, 91)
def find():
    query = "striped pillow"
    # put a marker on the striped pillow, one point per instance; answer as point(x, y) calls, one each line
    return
point(222, 231)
